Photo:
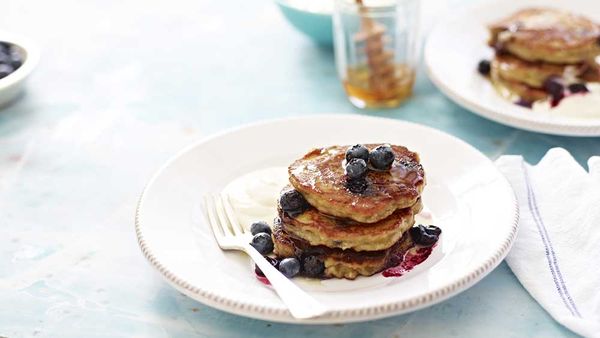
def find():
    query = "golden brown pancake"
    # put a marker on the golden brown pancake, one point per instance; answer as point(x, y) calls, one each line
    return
point(340, 263)
point(514, 90)
point(546, 34)
point(591, 72)
point(319, 176)
point(320, 229)
point(533, 74)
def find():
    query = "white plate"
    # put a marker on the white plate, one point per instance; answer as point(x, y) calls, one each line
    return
point(469, 198)
point(458, 43)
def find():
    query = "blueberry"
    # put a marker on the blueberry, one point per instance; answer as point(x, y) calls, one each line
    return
point(433, 230)
point(578, 88)
point(356, 169)
point(293, 203)
point(289, 267)
point(524, 103)
point(357, 186)
point(4, 47)
point(260, 226)
point(357, 151)
point(553, 85)
point(382, 157)
point(4, 57)
point(5, 70)
point(273, 261)
point(312, 266)
point(263, 243)
point(484, 67)
point(420, 236)
point(16, 57)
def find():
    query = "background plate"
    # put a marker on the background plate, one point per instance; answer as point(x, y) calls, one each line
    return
point(472, 202)
point(458, 43)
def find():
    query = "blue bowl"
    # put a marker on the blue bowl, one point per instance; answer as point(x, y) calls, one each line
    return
point(315, 25)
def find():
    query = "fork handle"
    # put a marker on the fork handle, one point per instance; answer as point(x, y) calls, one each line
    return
point(300, 304)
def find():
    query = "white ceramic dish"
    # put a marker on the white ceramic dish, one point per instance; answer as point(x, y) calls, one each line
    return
point(458, 42)
point(12, 85)
point(470, 200)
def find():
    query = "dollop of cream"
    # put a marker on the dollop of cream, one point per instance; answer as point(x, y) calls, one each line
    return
point(576, 105)
point(253, 196)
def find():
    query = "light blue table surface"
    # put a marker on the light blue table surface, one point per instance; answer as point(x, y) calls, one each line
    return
point(121, 86)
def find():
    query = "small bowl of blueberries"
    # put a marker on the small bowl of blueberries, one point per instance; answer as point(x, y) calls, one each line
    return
point(18, 57)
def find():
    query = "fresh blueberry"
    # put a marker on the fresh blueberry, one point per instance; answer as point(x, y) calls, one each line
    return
point(553, 85)
point(433, 230)
point(293, 203)
point(263, 243)
point(4, 57)
point(260, 226)
point(524, 103)
point(4, 47)
point(312, 266)
point(273, 261)
point(382, 157)
point(578, 88)
point(484, 67)
point(356, 169)
point(5, 70)
point(16, 57)
point(289, 267)
point(420, 236)
point(357, 151)
point(357, 186)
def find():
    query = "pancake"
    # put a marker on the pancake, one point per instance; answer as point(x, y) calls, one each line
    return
point(533, 74)
point(319, 176)
point(545, 34)
point(319, 229)
point(514, 90)
point(591, 72)
point(341, 263)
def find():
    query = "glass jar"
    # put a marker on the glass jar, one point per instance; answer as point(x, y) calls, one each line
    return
point(376, 50)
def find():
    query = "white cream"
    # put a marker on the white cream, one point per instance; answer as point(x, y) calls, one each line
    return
point(253, 196)
point(576, 105)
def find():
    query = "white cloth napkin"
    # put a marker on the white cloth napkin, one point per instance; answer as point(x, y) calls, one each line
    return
point(556, 255)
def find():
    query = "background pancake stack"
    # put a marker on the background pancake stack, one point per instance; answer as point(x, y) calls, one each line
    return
point(540, 52)
point(351, 233)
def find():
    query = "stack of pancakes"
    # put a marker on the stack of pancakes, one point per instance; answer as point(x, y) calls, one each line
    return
point(352, 233)
point(535, 44)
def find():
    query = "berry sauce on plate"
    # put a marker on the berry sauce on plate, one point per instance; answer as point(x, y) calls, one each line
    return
point(262, 279)
point(410, 259)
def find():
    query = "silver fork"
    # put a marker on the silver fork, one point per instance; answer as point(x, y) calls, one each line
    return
point(230, 235)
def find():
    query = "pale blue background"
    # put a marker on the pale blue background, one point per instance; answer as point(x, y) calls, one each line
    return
point(122, 85)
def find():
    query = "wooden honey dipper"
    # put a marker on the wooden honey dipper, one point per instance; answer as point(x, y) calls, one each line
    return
point(380, 62)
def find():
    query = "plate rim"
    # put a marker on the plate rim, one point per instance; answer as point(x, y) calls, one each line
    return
point(573, 127)
point(242, 308)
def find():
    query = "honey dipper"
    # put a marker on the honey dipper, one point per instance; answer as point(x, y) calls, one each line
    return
point(379, 61)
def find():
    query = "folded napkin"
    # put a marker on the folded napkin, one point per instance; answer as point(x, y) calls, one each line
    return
point(556, 255)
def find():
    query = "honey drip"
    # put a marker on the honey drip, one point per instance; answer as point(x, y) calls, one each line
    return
point(379, 81)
